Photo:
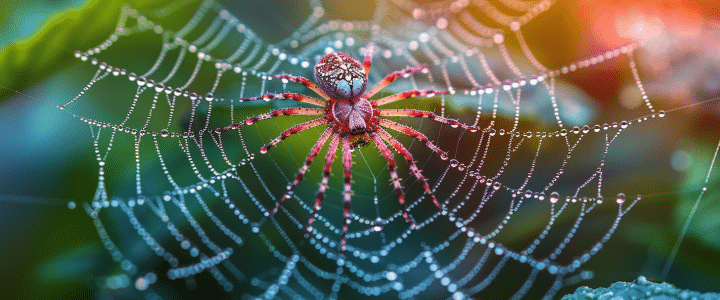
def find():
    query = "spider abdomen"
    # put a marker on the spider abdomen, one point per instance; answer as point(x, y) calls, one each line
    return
point(353, 114)
point(340, 76)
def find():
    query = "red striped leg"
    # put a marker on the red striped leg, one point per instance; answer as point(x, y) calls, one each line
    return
point(414, 134)
point(394, 179)
point(275, 113)
point(347, 192)
point(306, 82)
point(293, 96)
point(391, 77)
point(369, 49)
point(405, 95)
point(411, 163)
point(329, 158)
point(293, 130)
point(313, 152)
point(424, 114)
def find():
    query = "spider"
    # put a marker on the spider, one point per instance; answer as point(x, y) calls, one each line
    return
point(353, 120)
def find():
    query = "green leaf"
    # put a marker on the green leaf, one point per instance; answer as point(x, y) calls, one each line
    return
point(51, 47)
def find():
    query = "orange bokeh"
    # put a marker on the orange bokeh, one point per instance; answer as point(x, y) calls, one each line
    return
point(618, 22)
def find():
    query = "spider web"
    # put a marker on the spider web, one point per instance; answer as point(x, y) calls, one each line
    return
point(517, 194)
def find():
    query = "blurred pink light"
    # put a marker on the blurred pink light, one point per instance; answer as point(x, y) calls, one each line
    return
point(618, 22)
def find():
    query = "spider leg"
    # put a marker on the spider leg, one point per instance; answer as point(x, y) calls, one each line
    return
point(415, 134)
point(329, 158)
point(304, 168)
point(405, 95)
point(390, 78)
point(368, 58)
point(293, 96)
point(411, 163)
point(293, 130)
point(423, 114)
point(306, 82)
point(347, 193)
point(393, 174)
point(275, 113)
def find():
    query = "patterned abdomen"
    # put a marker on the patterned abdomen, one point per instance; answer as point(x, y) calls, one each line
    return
point(340, 76)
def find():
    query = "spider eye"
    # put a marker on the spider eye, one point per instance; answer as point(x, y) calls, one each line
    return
point(340, 76)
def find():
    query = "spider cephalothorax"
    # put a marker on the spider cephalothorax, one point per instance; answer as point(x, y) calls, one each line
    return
point(355, 120)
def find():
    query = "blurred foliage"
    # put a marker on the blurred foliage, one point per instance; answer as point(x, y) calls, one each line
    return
point(51, 47)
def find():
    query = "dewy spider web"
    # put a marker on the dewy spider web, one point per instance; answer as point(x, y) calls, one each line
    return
point(202, 198)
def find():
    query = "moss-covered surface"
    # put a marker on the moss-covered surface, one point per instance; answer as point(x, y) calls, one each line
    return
point(641, 288)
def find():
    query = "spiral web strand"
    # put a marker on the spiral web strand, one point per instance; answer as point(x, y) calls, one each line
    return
point(213, 214)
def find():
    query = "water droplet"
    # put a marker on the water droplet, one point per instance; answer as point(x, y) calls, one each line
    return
point(620, 198)
point(497, 185)
point(599, 199)
point(132, 76)
point(209, 97)
point(554, 197)
point(141, 81)
point(164, 133)
point(596, 128)
point(177, 92)
point(661, 113)
point(498, 38)
point(453, 163)
point(528, 194)
point(624, 124)
point(159, 87)
point(563, 132)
